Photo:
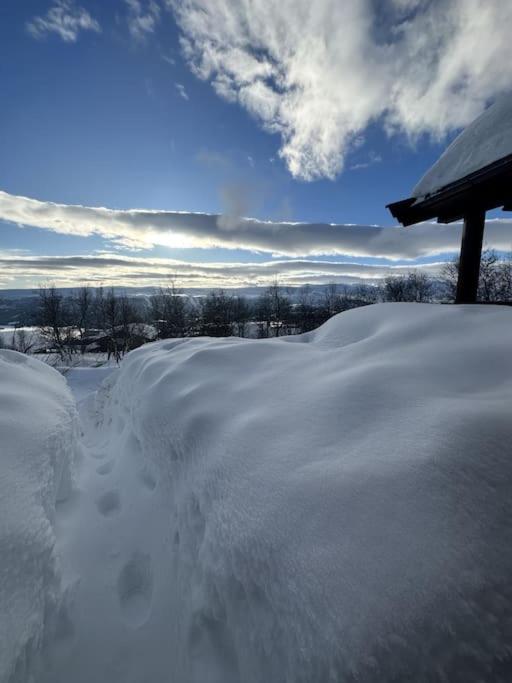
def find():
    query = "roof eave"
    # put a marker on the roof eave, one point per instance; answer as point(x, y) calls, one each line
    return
point(487, 188)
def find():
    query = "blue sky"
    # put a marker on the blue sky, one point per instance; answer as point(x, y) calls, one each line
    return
point(122, 114)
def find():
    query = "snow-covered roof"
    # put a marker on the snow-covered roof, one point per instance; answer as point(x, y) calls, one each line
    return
point(485, 141)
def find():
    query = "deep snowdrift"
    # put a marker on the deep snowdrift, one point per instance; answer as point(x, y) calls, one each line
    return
point(324, 507)
point(331, 507)
point(37, 443)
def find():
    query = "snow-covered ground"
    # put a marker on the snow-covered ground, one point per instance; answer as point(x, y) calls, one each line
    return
point(328, 507)
point(31, 337)
point(38, 442)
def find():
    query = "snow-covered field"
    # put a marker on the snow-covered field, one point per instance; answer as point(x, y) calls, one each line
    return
point(31, 336)
point(329, 507)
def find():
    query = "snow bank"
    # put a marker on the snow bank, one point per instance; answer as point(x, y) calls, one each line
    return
point(37, 440)
point(486, 140)
point(329, 507)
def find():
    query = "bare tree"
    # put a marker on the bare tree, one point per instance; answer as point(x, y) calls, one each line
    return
point(505, 277)
point(131, 329)
point(366, 294)
point(82, 310)
point(52, 320)
point(106, 307)
point(169, 312)
point(306, 311)
point(415, 286)
point(489, 284)
point(217, 314)
point(338, 298)
point(395, 288)
point(120, 323)
point(241, 314)
point(332, 300)
point(22, 341)
point(274, 311)
point(420, 286)
point(495, 279)
point(449, 277)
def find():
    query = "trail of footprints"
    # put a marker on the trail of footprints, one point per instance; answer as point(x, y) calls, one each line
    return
point(135, 588)
point(135, 579)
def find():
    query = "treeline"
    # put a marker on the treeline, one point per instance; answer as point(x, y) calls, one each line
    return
point(494, 285)
point(90, 319)
point(102, 320)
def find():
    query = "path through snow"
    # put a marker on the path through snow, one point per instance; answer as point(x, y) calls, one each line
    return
point(108, 560)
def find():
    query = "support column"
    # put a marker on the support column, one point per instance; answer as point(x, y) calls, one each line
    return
point(470, 255)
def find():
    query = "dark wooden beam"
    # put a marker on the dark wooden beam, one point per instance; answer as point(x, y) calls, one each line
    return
point(488, 188)
point(470, 255)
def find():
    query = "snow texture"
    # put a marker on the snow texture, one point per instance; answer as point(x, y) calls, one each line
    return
point(486, 140)
point(37, 443)
point(329, 507)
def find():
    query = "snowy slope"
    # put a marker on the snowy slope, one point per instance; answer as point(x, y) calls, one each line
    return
point(486, 140)
point(37, 443)
point(329, 507)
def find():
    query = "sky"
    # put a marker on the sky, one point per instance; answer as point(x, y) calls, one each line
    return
point(227, 143)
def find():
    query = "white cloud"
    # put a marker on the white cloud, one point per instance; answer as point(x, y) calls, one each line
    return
point(64, 18)
point(181, 91)
point(143, 228)
point(318, 73)
point(372, 159)
point(143, 17)
point(110, 269)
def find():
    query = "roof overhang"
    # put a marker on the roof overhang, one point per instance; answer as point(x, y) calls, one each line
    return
point(485, 189)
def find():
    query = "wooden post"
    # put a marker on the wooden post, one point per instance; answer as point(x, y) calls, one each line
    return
point(470, 255)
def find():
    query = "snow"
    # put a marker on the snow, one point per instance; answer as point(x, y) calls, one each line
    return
point(84, 380)
point(38, 440)
point(486, 140)
point(329, 507)
point(32, 336)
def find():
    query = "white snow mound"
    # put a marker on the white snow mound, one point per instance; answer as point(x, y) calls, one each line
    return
point(337, 505)
point(37, 428)
point(486, 140)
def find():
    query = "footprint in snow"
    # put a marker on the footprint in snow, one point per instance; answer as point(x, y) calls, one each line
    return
point(106, 468)
point(135, 589)
point(147, 479)
point(109, 503)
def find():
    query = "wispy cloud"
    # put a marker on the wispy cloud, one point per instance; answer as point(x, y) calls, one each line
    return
point(143, 17)
point(125, 271)
point(371, 160)
point(64, 18)
point(143, 228)
point(181, 91)
point(318, 73)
